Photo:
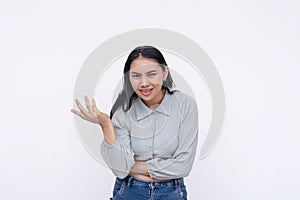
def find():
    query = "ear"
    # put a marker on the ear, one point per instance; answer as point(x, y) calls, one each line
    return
point(166, 72)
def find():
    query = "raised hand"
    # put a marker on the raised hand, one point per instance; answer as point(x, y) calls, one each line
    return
point(91, 113)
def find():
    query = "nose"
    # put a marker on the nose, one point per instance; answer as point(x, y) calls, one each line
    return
point(144, 81)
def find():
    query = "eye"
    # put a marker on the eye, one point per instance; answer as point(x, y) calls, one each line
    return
point(135, 75)
point(152, 74)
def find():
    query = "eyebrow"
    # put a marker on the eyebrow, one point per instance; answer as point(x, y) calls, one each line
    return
point(149, 72)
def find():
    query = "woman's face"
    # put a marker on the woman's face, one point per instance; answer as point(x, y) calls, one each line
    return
point(146, 77)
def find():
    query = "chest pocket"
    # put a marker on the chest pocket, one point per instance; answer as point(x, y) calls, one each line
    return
point(154, 136)
point(142, 133)
point(166, 137)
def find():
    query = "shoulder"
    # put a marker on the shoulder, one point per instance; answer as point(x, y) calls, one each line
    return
point(119, 117)
point(186, 104)
point(184, 100)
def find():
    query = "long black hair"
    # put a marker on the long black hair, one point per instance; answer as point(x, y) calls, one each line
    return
point(127, 94)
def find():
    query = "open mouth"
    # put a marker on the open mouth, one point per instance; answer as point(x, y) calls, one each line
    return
point(146, 92)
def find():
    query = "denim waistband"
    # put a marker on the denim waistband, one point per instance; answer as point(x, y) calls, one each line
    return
point(129, 180)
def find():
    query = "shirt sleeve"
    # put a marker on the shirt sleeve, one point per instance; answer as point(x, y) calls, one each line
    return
point(119, 156)
point(182, 161)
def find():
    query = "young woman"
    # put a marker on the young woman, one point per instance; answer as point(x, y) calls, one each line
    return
point(150, 137)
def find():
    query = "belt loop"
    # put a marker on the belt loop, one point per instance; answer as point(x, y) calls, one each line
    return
point(129, 180)
point(176, 183)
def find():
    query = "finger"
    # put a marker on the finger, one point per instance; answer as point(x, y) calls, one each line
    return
point(87, 102)
point(94, 104)
point(81, 108)
point(78, 113)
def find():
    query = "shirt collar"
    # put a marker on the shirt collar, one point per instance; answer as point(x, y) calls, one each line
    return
point(143, 111)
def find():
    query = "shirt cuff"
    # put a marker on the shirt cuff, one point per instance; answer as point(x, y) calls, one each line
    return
point(111, 145)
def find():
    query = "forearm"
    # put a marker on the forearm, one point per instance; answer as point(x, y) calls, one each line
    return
point(109, 133)
point(140, 172)
point(116, 155)
point(179, 166)
point(140, 168)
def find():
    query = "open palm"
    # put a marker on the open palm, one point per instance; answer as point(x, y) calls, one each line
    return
point(91, 113)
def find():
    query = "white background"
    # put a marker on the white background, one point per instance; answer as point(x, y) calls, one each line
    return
point(254, 45)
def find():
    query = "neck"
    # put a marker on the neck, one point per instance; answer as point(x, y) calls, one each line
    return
point(155, 103)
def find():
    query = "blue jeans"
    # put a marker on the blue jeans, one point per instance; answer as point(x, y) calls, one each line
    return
point(130, 188)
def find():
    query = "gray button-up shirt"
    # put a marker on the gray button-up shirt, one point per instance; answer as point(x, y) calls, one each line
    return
point(165, 137)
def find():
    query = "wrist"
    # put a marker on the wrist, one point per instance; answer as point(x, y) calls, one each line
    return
point(109, 133)
point(106, 125)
